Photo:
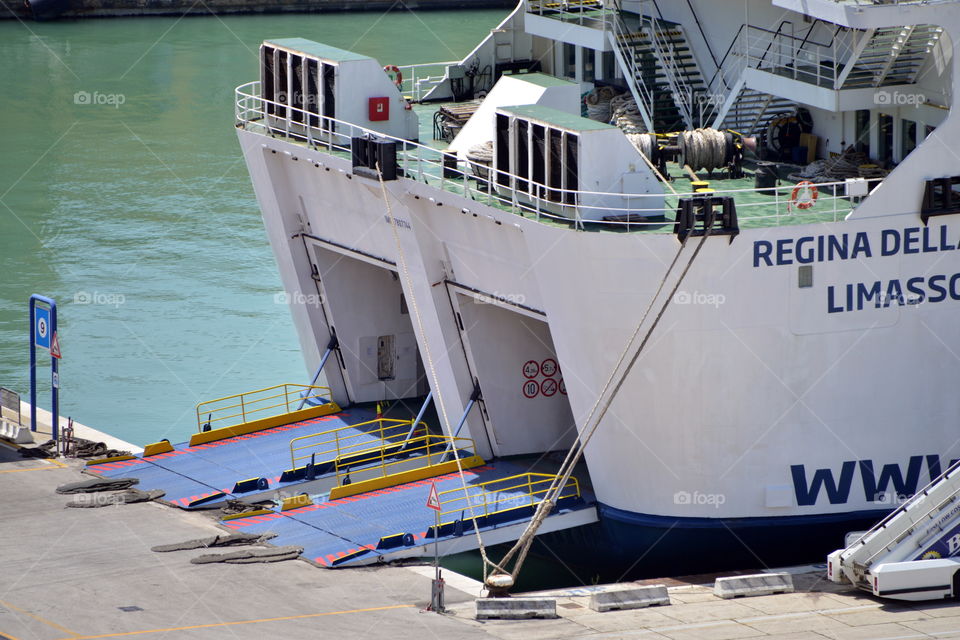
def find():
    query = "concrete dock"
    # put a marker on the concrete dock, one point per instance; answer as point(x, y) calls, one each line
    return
point(90, 573)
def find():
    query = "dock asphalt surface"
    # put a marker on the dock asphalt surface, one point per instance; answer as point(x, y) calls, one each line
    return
point(90, 573)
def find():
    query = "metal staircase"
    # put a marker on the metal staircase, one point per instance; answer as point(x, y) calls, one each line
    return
point(662, 73)
point(752, 111)
point(912, 554)
point(892, 56)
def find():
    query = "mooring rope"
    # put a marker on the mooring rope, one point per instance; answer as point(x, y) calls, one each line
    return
point(415, 307)
point(576, 452)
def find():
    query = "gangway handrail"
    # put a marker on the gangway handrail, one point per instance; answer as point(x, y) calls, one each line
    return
point(340, 442)
point(901, 510)
point(478, 495)
point(247, 407)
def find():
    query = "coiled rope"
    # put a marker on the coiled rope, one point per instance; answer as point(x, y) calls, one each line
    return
point(704, 148)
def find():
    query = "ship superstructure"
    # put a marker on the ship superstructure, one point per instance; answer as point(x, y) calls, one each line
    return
point(757, 199)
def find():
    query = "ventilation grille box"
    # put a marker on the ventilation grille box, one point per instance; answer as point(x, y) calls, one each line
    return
point(307, 87)
point(570, 166)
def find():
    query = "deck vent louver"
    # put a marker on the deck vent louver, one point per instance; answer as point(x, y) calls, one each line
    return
point(940, 198)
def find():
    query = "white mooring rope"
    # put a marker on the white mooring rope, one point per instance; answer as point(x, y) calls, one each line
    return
point(402, 262)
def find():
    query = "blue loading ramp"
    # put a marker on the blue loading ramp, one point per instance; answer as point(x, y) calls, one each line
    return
point(192, 473)
point(395, 523)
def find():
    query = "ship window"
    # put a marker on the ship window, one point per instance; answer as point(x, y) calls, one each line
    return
point(503, 149)
point(280, 75)
point(328, 79)
point(522, 159)
point(296, 87)
point(572, 179)
point(908, 137)
point(538, 161)
point(312, 98)
point(805, 276)
point(885, 130)
point(609, 65)
point(863, 131)
point(555, 175)
point(589, 60)
point(569, 60)
point(266, 75)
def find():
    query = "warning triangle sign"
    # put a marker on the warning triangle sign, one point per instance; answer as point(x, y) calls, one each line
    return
point(55, 345)
point(433, 500)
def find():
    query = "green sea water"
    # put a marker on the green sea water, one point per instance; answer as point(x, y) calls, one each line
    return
point(123, 195)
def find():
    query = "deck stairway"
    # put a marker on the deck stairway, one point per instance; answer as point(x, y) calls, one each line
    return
point(662, 73)
point(752, 111)
point(892, 56)
point(913, 553)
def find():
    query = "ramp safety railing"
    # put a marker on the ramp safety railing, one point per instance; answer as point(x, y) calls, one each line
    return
point(246, 407)
point(501, 495)
point(389, 458)
point(349, 440)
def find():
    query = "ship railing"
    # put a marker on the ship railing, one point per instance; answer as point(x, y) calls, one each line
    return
point(248, 406)
point(477, 181)
point(795, 57)
point(419, 79)
point(383, 461)
point(522, 491)
point(338, 443)
point(586, 13)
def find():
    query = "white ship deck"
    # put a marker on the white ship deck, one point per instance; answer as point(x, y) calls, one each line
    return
point(423, 162)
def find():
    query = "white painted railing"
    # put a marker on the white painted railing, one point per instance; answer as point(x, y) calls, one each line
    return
point(520, 195)
point(419, 79)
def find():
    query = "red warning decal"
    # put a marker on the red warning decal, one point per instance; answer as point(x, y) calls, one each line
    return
point(563, 387)
point(549, 367)
point(530, 389)
point(531, 369)
point(548, 387)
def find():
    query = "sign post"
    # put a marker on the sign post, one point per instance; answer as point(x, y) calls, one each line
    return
point(436, 592)
point(43, 333)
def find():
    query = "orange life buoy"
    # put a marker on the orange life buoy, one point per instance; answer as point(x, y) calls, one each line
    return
point(804, 195)
point(398, 77)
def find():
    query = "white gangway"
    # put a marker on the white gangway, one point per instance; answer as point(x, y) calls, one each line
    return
point(914, 552)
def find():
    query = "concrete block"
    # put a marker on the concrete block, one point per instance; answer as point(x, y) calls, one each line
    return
point(15, 432)
point(623, 599)
point(761, 584)
point(515, 608)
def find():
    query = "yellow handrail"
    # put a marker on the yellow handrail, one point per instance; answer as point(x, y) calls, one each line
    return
point(486, 498)
point(341, 442)
point(248, 406)
point(423, 448)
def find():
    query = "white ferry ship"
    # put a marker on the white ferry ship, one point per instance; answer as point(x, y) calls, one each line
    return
point(734, 223)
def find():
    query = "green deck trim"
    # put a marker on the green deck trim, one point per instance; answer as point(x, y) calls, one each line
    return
point(558, 118)
point(316, 49)
point(754, 210)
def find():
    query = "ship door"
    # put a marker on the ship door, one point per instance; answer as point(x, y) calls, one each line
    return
point(386, 357)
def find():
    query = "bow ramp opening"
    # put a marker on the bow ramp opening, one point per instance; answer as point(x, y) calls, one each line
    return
point(913, 553)
point(498, 499)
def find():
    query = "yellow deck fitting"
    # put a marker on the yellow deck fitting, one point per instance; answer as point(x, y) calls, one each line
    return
point(111, 459)
point(156, 448)
point(246, 514)
point(295, 502)
point(403, 477)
